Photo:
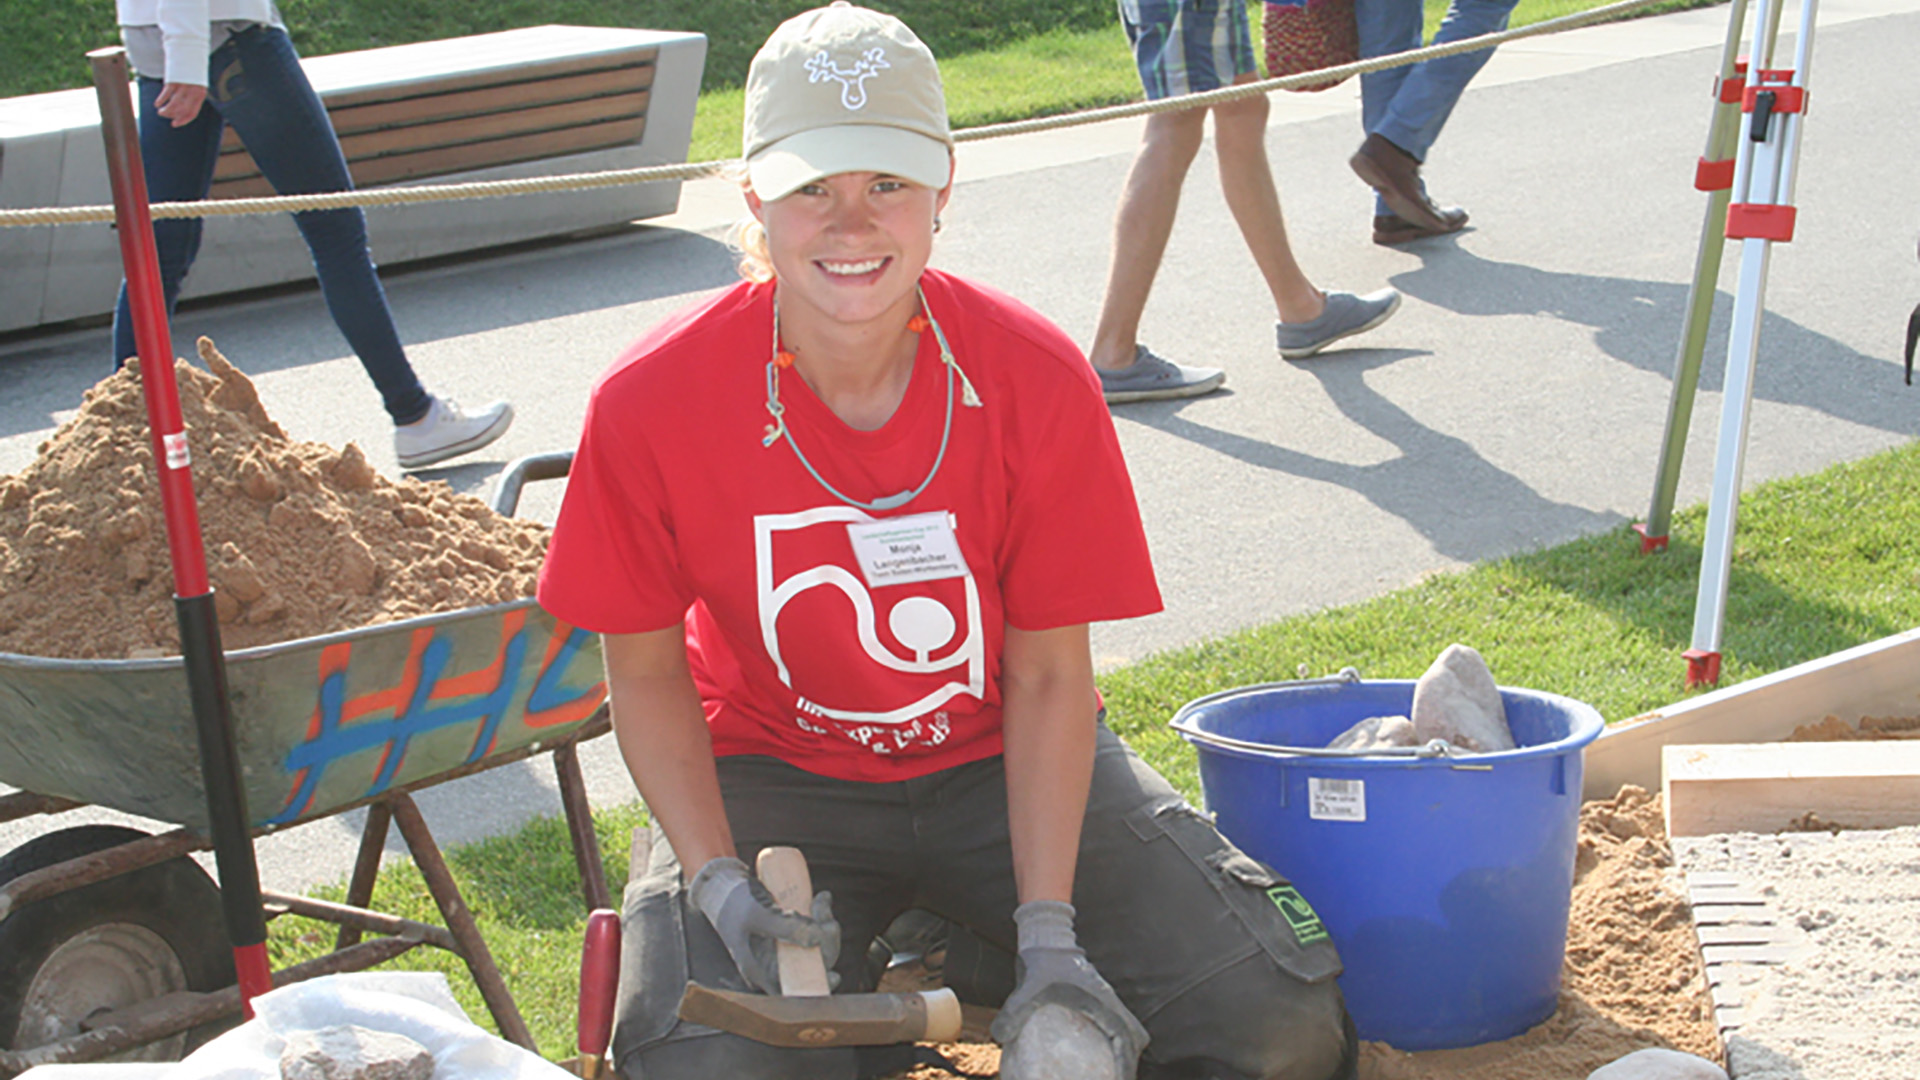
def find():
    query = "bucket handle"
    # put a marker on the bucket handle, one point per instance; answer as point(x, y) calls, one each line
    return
point(1183, 723)
point(1434, 748)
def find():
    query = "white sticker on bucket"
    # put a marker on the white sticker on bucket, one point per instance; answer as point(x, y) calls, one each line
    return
point(1336, 800)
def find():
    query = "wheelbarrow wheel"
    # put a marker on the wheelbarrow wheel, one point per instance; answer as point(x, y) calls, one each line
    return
point(130, 938)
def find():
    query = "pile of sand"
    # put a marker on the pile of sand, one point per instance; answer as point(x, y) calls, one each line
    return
point(300, 538)
point(1633, 978)
point(1870, 729)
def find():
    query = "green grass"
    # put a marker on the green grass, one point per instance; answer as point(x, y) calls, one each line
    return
point(1063, 70)
point(1824, 562)
point(525, 893)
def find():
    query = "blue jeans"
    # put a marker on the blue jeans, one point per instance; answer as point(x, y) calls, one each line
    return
point(1408, 106)
point(255, 83)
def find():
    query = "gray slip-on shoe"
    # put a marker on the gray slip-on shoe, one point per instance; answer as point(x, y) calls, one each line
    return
point(1151, 378)
point(1346, 315)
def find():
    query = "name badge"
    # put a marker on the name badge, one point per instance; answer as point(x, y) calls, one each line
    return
point(903, 550)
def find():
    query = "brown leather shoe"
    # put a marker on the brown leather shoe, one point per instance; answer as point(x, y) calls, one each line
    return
point(1395, 174)
point(1391, 229)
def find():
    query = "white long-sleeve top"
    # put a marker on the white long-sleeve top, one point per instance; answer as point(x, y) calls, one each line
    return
point(187, 30)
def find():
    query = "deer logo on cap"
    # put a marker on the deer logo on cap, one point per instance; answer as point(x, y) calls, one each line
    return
point(853, 83)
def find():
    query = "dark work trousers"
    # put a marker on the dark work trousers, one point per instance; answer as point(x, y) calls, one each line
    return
point(1175, 917)
point(255, 85)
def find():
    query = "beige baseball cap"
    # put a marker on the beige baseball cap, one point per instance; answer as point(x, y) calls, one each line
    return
point(844, 89)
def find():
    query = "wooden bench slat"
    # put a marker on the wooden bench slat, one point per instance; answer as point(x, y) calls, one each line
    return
point(497, 77)
point(492, 127)
point(437, 108)
point(394, 168)
point(433, 108)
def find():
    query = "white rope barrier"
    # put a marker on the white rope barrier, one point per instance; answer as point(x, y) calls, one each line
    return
point(430, 193)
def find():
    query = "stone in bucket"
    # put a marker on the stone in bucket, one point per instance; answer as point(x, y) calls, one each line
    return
point(1455, 701)
point(1376, 733)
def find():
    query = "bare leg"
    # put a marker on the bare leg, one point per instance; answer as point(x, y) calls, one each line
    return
point(1141, 227)
point(1240, 140)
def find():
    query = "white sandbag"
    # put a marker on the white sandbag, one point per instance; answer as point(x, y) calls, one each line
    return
point(416, 1005)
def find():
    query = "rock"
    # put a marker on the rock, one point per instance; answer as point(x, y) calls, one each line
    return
point(348, 1052)
point(1376, 733)
point(1059, 1043)
point(1456, 700)
point(1659, 1064)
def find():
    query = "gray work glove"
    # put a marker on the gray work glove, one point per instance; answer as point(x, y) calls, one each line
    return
point(750, 923)
point(1053, 968)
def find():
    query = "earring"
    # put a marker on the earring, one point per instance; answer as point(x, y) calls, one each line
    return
point(936, 223)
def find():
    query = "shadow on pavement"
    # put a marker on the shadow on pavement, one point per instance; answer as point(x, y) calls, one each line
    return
point(1467, 507)
point(1638, 323)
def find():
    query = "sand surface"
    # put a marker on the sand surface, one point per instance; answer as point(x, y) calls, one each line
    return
point(1843, 1001)
point(300, 538)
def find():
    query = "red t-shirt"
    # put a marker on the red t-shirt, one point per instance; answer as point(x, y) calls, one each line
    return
point(676, 510)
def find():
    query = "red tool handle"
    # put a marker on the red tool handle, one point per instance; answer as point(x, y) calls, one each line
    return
point(599, 981)
point(201, 654)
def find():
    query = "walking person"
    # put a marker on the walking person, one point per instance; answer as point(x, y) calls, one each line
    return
point(206, 64)
point(843, 529)
point(1186, 47)
point(1404, 108)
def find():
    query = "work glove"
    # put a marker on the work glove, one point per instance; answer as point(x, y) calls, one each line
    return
point(750, 923)
point(1052, 968)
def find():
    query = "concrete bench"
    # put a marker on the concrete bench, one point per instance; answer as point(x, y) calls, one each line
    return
point(532, 102)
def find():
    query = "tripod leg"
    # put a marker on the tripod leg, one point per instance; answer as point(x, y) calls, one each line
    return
point(1715, 170)
point(1723, 507)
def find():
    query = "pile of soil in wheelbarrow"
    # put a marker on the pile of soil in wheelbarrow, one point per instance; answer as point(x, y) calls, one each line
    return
point(301, 538)
point(1633, 976)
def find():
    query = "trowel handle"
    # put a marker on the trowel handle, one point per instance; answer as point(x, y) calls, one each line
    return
point(599, 982)
point(783, 870)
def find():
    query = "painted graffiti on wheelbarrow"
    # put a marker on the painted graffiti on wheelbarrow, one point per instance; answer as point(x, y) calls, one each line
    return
point(428, 698)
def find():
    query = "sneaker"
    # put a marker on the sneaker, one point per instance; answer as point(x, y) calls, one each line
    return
point(448, 431)
point(1151, 377)
point(1345, 316)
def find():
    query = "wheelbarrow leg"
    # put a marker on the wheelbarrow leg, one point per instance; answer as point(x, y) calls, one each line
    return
point(586, 844)
point(473, 948)
point(366, 868)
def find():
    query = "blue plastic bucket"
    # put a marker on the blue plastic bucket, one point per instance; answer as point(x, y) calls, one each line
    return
point(1444, 882)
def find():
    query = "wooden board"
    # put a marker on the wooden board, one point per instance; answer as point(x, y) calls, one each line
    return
point(1768, 787)
point(1880, 678)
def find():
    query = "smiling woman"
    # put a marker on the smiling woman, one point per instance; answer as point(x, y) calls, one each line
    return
point(844, 528)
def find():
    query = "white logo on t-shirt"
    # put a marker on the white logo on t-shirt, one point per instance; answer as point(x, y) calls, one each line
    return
point(927, 627)
point(853, 82)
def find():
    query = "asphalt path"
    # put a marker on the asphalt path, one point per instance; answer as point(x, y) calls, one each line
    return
point(1517, 400)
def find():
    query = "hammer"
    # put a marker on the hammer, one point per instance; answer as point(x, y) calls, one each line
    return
point(805, 1014)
